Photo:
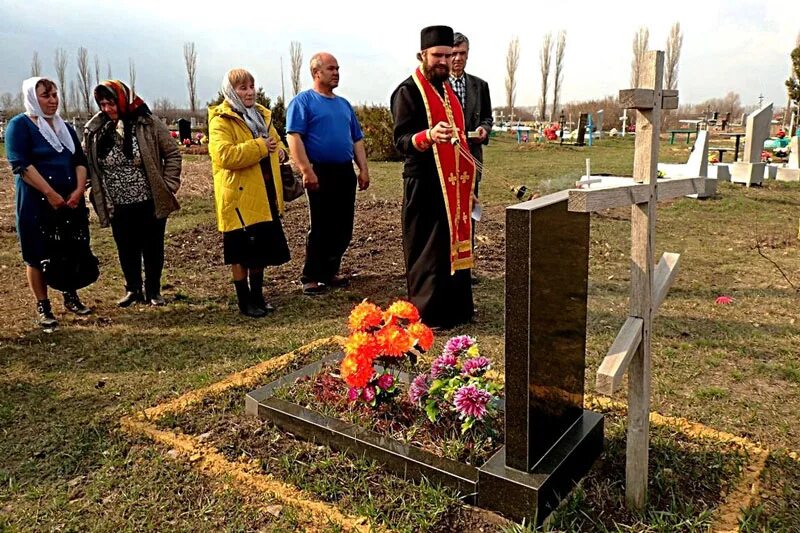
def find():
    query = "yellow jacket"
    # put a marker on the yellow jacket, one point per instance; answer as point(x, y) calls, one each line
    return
point(235, 161)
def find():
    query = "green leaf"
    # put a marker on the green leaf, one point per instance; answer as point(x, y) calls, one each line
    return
point(435, 386)
point(432, 410)
point(468, 423)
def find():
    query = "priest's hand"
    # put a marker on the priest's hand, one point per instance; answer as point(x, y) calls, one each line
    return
point(481, 134)
point(441, 132)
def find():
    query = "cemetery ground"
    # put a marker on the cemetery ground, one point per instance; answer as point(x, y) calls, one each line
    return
point(79, 451)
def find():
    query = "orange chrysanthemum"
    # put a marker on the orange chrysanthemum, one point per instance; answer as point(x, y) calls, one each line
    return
point(423, 334)
point(365, 316)
point(393, 341)
point(401, 310)
point(356, 372)
point(363, 346)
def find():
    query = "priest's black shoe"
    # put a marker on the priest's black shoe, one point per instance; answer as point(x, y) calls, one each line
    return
point(130, 298)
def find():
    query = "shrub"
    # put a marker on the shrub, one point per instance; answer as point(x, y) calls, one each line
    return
point(377, 125)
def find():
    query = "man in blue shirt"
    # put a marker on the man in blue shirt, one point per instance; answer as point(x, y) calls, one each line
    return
point(324, 137)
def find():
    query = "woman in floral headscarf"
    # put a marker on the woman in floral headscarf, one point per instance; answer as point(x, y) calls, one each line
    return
point(135, 171)
point(50, 170)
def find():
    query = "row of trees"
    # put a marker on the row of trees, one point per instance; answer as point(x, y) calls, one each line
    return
point(76, 93)
point(551, 66)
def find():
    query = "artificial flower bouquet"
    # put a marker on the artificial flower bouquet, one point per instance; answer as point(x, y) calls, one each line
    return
point(385, 337)
point(457, 385)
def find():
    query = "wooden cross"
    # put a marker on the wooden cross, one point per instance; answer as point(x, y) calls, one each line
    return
point(631, 348)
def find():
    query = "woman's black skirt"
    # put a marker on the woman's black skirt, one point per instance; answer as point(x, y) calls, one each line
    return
point(262, 244)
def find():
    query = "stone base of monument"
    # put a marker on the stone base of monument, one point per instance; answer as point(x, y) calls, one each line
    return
point(721, 172)
point(788, 174)
point(747, 173)
point(770, 171)
point(710, 189)
point(532, 496)
point(513, 493)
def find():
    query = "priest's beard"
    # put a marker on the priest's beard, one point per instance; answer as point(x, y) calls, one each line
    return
point(437, 74)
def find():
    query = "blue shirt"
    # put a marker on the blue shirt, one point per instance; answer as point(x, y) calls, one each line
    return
point(327, 125)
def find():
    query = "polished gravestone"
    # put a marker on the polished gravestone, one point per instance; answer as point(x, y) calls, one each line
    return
point(551, 441)
point(583, 121)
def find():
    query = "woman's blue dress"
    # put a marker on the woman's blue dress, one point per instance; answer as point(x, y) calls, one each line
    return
point(26, 146)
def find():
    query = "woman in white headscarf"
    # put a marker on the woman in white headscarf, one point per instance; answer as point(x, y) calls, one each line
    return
point(50, 169)
point(245, 153)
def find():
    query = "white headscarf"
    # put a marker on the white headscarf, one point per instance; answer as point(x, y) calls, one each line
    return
point(252, 117)
point(58, 139)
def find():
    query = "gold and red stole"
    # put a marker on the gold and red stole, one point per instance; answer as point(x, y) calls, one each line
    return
point(456, 169)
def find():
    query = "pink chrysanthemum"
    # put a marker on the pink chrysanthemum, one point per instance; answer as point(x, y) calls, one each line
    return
point(352, 394)
point(458, 345)
point(472, 401)
point(444, 365)
point(368, 394)
point(475, 367)
point(418, 388)
point(385, 382)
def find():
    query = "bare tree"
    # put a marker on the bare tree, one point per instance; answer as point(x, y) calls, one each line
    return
point(60, 63)
point(640, 43)
point(673, 56)
point(74, 99)
point(108, 71)
point(788, 113)
point(558, 74)
point(84, 79)
point(190, 58)
point(163, 105)
point(296, 54)
point(512, 62)
point(36, 65)
point(7, 102)
point(132, 74)
point(96, 70)
point(545, 57)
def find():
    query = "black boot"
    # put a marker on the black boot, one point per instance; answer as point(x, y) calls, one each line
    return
point(243, 298)
point(130, 298)
point(74, 304)
point(257, 292)
point(45, 312)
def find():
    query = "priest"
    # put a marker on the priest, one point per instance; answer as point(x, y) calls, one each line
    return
point(438, 176)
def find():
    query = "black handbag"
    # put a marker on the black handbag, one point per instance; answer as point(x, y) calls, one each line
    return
point(69, 263)
point(292, 183)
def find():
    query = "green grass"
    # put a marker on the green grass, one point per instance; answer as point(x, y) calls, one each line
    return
point(732, 367)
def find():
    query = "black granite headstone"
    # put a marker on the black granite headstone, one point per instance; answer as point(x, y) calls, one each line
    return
point(551, 441)
point(582, 122)
point(184, 129)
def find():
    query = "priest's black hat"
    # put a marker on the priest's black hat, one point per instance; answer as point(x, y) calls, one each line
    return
point(436, 36)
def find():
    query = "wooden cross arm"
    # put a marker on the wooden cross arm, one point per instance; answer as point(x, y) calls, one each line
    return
point(615, 364)
point(646, 99)
point(591, 200)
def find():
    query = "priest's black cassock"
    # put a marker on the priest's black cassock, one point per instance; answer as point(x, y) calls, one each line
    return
point(443, 299)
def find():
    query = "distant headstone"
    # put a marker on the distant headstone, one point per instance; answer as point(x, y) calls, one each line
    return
point(791, 172)
point(599, 124)
point(750, 171)
point(184, 129)
point(583, 120)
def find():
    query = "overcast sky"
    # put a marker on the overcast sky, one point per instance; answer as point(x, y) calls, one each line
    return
point(729, 45)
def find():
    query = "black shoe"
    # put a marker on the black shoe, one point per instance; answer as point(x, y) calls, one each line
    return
point(130, 298)
point(74, 304)
point(156, 300)
point(313, 288)
point(45, 312)
point(245, 302)
point(475, 279)
point(338, 281)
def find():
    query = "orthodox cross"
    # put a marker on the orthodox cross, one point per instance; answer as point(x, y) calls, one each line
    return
point(649, 285)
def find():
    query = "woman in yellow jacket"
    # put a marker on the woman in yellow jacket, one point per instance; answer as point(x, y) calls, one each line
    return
point(245, 153)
